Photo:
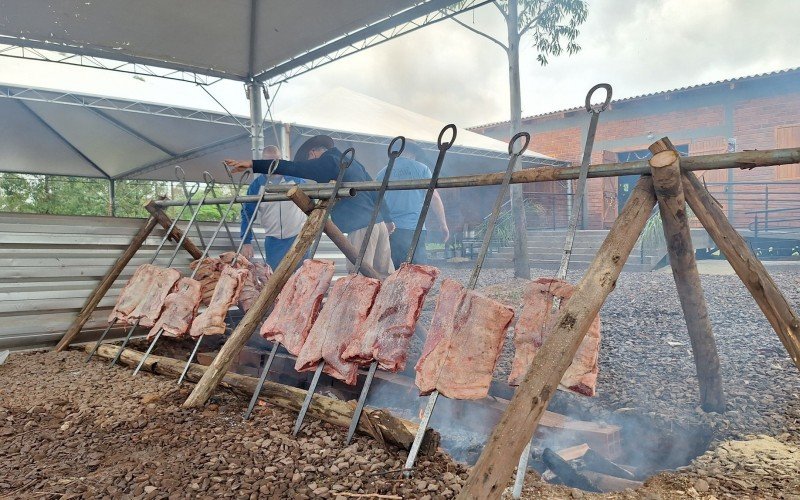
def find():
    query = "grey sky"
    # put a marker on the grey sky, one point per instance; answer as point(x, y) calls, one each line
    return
point(448, 73)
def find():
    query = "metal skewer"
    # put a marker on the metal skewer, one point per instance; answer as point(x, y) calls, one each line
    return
point(577, 206)
point(214, 235)
point(356, 268)
point(194, 273)
point(373, 366)
point(180, 174)
point(209, 186)
point(473, 281)
point(189, 194)
point(344, 163)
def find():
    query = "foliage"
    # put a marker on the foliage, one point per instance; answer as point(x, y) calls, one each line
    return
point(551, 24)
point(59, 195)
point(503, 234)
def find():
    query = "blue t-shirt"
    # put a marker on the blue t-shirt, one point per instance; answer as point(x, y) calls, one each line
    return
point(405, 205)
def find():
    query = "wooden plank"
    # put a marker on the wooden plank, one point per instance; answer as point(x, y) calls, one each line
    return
point(176, 233)
point(573, 452)
point(494, 468)
point(751, 271)
point(665, 166)
point(105, 284)
point(252, 318)
point(379, 424)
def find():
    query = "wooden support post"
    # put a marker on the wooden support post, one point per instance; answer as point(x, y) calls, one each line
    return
point(751, 271)
point(251, 320)
point(494, 468)
point(380, 424)
point(175, 235)
point(334, 233)
point(665, 167)
point(108, 280)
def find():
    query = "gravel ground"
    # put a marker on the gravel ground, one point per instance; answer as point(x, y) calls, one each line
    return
point(69, 430)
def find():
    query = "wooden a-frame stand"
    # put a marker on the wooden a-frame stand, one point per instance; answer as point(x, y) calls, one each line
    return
point(495, 467)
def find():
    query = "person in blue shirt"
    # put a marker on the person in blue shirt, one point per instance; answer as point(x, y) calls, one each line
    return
point(281, 220)
point(405, 206)
point(317, 159)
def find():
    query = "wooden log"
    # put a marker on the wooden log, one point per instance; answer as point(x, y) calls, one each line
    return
point(573, 452)
point(742, 159)
point(100, 290)
point(596, 462)
point(254, 315)
point(665, 167)
point(496, 464)
point(566, 473)
point(333, 232)
point(608, 484)
point(751, 271)
point(175, 235)
point(380, 424)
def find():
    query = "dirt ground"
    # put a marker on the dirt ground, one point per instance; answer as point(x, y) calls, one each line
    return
point(69, 430)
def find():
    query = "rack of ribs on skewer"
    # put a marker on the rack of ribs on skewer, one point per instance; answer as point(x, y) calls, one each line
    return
point(298, 305)
point(207, 275)
point(346, 309)
point(463, 343)
point(212, 320)
point(180, 308)
point(143, 296)
point(534, 326)
point(386, 334)
point(257, 277)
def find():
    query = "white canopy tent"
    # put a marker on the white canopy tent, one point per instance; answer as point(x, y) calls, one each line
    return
point(254, 41)
point(60, 133)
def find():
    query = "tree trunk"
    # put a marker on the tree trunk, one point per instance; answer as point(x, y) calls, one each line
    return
point(665, 166)
point(494, 468)
point(522, 267)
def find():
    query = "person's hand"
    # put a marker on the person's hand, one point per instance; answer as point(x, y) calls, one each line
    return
point(390, 227)
point(247, 251)
point(445, 233)
point(237, 166)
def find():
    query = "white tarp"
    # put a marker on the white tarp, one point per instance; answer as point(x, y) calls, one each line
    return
point(210, 37)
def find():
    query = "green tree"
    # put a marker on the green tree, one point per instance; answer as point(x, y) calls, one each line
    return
point(552, 26)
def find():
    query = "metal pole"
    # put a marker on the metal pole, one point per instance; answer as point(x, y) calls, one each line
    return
point(473, 281)
point(373, 366)
point(578, 211)
point(112, 195)
point(256, 119)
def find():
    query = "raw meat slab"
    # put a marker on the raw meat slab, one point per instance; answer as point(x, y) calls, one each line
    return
point(386, 334)
point(347, 307)
point(144, 294)
point(212, 320)
point(298, 305)
point(180, 308)
point(534, 326)
point(463, 343)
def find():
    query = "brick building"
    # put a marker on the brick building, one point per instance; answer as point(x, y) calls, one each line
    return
point(755, 112)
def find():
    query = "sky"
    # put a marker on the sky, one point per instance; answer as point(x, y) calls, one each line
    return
point(448, 73)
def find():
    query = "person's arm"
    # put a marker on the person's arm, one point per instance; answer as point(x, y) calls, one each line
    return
point(323, 169)
point(438, 212)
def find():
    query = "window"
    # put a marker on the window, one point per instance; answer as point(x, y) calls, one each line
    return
point(787, 137)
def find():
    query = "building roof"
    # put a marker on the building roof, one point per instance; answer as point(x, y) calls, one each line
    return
point(651, 94)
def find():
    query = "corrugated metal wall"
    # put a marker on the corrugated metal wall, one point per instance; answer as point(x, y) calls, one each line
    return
point(50, 264)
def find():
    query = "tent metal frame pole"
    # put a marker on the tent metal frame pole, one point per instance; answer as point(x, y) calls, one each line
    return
point(256, 119)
